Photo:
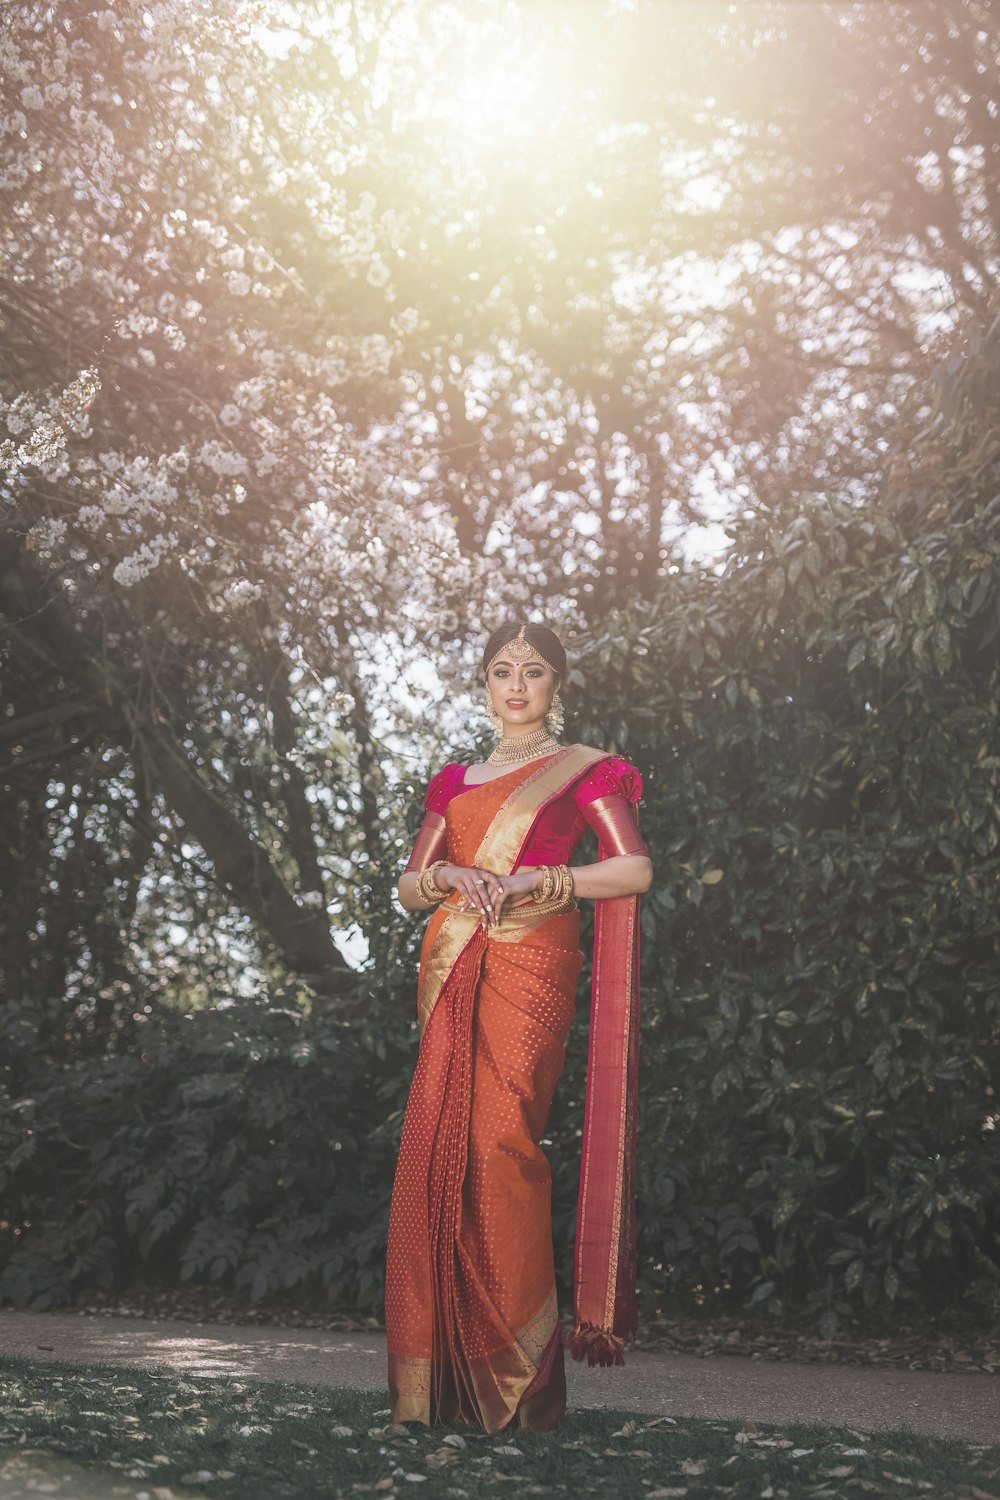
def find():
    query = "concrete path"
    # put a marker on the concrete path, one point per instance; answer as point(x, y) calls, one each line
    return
point(729, 1386)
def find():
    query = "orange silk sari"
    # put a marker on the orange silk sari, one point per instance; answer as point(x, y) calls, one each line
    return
point(471, 1313)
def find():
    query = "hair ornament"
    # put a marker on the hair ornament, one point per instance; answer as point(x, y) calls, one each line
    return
point(519, 650)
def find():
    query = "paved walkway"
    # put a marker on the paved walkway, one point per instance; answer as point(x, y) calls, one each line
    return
point(729, 1386)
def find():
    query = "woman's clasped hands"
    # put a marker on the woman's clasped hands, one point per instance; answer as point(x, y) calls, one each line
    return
point(484, 892)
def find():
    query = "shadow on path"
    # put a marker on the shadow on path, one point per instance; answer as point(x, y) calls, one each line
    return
point(730, 1387)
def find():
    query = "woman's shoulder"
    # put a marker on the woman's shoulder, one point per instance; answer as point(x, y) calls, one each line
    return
point(442, 785)
point(609, 759)
point(612, 775)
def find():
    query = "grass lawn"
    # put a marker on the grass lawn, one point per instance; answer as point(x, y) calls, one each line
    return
point(162, 1435)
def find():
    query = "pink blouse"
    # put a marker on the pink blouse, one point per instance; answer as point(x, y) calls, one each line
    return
point(601, 799)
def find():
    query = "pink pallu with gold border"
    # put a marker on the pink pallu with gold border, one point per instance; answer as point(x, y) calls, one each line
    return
point(471, 1312)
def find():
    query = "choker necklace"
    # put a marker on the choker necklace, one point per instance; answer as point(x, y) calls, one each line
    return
point(517, 747)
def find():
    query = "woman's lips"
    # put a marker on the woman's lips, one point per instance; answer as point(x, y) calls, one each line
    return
point(517, 702)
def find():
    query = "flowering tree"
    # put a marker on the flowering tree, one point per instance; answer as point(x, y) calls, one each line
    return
point(205, 525)
point(330, 336)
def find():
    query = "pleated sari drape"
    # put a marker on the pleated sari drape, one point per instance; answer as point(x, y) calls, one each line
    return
point(471, 1312)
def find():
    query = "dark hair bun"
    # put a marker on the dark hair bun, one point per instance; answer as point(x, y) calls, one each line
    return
point(544, 640)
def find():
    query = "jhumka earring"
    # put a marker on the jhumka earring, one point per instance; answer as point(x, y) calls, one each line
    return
point(555, 719)
point(496, 723)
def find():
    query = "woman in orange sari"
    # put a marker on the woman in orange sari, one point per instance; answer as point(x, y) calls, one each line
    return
point(470, 1302)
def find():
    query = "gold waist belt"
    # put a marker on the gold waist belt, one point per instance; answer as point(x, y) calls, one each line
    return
point(516, 920)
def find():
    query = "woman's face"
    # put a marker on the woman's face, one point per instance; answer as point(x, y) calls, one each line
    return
point(522, 692)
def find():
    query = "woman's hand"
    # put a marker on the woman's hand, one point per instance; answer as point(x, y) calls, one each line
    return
point(517, 886)
point(484, 892)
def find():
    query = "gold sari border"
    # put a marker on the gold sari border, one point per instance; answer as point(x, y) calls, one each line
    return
point(455, 935)
point(498, 851)
point(510, 1371)
point(505, 837)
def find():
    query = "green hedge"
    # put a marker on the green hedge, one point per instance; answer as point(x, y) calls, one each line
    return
point(820, 734)
point(246, 1145)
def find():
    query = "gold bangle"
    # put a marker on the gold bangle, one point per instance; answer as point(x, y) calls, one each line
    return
point(555, 893)
point(427, 887)
point(561, 895)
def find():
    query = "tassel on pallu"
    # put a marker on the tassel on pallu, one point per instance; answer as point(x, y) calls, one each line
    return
point(596, 1345)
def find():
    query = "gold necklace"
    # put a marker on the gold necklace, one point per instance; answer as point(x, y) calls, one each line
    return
point(517, 747)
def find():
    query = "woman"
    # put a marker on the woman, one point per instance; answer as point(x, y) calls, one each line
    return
point(470, 1303)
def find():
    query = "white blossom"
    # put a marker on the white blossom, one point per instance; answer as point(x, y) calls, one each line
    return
point(47, 533)
point(67, 269)
point(220, 459)
point(139, 564)
point(91, 516)
point(240, 592)
point(405, 322)
point(13, 122)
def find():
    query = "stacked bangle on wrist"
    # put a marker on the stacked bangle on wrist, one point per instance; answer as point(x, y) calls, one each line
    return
point(555, 891)
point(427, 887)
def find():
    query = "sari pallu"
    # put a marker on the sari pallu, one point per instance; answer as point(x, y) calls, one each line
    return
point(471, 1312)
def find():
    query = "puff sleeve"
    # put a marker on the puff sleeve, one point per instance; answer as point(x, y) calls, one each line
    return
point(431, 842)
point(441, 785)
point(605, 797)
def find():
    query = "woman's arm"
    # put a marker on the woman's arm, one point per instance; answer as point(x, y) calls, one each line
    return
point(479, 887)
point(619, 875)
point(604, 797)
point(406, 892)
